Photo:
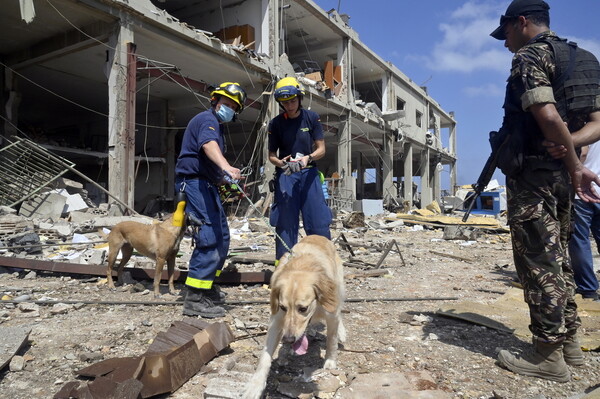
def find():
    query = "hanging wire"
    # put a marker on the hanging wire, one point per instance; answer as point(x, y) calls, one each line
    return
point(146, 135)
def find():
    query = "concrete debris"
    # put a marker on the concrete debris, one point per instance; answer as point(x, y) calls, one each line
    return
point(354, 220)
point(6, 210)
point(17, 364)
point(25, 242)
point(225, 385)
point(48, 205)
point(60, 308)
point(461, 233)
point(13, 339)
point(368, 207)
point(411, 385)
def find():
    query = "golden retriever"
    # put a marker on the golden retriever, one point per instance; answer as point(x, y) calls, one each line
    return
point(159, 241)
point(306, 287)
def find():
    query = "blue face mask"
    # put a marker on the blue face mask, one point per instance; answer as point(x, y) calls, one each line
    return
point(225, 114)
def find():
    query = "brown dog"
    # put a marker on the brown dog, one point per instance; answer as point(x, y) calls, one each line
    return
point(306, 287)
point(159, 241)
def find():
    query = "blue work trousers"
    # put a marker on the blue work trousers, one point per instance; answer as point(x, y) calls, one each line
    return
point(586, 217)
point(299, 192)
point(211, 238)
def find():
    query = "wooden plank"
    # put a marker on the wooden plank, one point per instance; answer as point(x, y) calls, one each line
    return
point(137, 273)
point(452, 256)
point(329, 74)
point(370, 273)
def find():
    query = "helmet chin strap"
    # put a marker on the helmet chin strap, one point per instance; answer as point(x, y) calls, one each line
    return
point(299, 105)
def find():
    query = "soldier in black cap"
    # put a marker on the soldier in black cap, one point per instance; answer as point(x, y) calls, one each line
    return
point(551, 91)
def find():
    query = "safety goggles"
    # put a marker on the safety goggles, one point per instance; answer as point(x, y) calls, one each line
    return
point(286, 93)
point(234, 90)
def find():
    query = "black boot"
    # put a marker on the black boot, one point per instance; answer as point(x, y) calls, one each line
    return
point(215, 294)
point(197, 303)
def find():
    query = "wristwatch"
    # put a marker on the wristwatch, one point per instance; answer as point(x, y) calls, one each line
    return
point(310, 159)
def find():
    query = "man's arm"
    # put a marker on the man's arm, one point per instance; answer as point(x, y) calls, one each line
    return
point(555, 130)
point(276, 161)
point(318, 152)
point(588, 134)
point(213, 152)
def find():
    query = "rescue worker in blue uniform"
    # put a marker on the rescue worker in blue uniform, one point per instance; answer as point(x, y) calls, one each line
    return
point(200, 169)
point(295, 142)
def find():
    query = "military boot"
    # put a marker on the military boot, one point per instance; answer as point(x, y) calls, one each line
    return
point(216, 294)
point(572, 351)
point(544, 361)
point(197, 303)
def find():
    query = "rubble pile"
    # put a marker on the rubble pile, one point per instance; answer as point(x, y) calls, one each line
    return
point(401, 269)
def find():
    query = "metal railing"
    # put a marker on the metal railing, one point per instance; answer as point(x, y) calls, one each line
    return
point(26, 168)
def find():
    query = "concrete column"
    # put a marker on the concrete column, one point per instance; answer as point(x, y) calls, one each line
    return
point(426, 190)
point(408, 173)
point(436, 183)
point(453, 172)
point(121, 111)
point(360, 177)
point(271, 111)
point(344, 157)
point(387, 165)
point(345, 57)
point(11, 99)
point(274, 28)
point(452, 145)
point(387, 155)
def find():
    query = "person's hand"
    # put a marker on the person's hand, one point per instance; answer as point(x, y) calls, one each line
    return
point(234, 173)
point(582, 180)
point(286, 169)
point(305, 159)
point(556, 151)
point(295, 166)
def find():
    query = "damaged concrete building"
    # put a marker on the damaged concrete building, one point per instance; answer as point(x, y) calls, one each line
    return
point(110, 86)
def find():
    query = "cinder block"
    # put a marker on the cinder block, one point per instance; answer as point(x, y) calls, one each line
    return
point(369, 207)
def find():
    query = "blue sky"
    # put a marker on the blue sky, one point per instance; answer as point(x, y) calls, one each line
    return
point(445, 45)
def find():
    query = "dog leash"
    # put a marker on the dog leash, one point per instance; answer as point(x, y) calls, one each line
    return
point(227, 177)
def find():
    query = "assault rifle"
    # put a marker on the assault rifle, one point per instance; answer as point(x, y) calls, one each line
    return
point(497, 140)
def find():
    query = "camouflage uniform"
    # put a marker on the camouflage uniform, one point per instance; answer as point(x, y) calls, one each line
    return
point(539, 201)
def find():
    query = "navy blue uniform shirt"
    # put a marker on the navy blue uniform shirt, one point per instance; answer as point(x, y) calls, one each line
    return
point(290, 136)
point(192, 160)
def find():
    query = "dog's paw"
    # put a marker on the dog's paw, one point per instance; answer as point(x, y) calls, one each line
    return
point(330, 364)
point(253, 391)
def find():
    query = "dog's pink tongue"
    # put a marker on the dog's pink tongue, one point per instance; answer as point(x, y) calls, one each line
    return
point(301, 346)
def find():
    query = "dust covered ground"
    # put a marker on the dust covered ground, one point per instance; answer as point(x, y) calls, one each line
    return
point(391, 327)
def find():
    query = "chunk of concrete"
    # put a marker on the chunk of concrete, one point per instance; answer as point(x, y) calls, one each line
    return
point(43, 206)
point(369, 207)
point(410, 385)
point(466, 233)
point(74, 203)
point(228, 385)
point(11, 341)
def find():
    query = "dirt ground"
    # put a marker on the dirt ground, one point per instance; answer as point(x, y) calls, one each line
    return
point(391, 328)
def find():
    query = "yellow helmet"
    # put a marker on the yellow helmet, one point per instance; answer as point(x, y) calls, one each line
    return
point(287, 88)
point(233, 91)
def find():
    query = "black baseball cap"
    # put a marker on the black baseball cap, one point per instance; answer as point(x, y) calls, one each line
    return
point(516, 9)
